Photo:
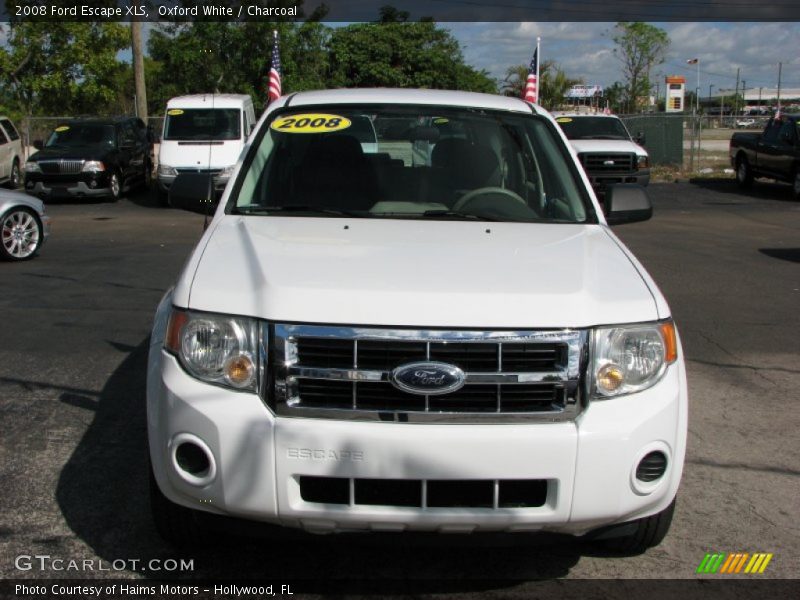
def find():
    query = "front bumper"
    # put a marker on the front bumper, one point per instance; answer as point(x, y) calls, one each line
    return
point(69, 189)
point(601, 181)
point(258, 459)
point(165, 182)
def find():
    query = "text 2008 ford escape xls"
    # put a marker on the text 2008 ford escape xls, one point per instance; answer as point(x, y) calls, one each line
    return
point(434, 332)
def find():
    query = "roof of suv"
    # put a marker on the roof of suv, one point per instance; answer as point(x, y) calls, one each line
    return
point(100, 120)
point(408, 96)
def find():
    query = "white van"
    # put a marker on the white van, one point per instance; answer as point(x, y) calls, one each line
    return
point(203, 133)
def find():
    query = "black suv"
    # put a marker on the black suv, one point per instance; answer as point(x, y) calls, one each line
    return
point(91, 158)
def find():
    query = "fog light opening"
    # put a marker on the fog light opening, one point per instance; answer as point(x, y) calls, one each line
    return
point(652, 467)
point(192, 459)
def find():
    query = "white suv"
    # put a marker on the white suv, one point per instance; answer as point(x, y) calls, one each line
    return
point(440, 333)
point(11, 155)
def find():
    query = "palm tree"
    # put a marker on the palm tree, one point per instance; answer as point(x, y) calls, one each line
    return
point(553, 83)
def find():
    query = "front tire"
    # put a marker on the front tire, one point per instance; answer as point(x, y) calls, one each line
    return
point(176, 524)
point(744, 174)
point(15, 180)
point(114, 187)
point(650, 531)
point(21, 234)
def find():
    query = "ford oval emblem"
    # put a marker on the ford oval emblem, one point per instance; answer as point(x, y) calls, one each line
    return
point(428, 378)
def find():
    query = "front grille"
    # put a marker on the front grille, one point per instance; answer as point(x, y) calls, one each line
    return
point(608, 162)
point(416, 493)
point(198, 170)
point(61, 167)
point(349, 373)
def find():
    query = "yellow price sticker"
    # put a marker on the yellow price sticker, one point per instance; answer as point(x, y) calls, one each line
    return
point(174, 112)
point(563, 120)
point(61, 128)
point(310, 123)
point(440, 121)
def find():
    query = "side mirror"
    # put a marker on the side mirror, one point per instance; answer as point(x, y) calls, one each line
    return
point(38, 144)
point(193, 192)
point(627, 203)
point(640, 138)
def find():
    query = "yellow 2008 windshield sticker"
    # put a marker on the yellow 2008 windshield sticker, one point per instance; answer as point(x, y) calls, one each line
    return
point(61, 128)
point(563, 120)
point(310, 123)
point(174, 112)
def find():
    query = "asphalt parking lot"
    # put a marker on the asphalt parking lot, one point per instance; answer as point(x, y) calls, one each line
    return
point(72, 375)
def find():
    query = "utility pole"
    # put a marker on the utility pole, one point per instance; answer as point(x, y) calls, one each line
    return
point(744, 94)
point(736, 97)
point(780, 65)
point(138, 70)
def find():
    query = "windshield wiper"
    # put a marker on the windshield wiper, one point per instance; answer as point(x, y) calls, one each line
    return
point(249, 210)
point(455, 213)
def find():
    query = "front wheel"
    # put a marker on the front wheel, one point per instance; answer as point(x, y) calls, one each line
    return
point(15, 179)
point(21, 234)
point(114, 187)
point(744, 174)
point(649, 532)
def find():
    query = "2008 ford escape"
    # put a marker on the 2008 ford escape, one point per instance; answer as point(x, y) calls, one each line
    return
point(435, 332)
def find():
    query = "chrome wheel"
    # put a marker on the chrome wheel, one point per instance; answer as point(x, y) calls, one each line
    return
point(21, 234)
point(113, 185)
point(16, 176)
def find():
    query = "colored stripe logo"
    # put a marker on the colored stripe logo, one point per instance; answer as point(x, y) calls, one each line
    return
point(734, 563)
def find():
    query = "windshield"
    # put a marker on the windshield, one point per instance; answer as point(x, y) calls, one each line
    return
point(421, 162)
point(593, 128)
point(206, 124)
point(81, 134)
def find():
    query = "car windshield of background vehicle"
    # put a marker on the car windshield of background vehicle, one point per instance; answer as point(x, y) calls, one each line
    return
point(593, 128)
point(411, 163)
point(81, 134)
point(202, 124)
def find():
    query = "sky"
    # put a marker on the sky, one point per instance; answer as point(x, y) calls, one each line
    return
point(586, 50)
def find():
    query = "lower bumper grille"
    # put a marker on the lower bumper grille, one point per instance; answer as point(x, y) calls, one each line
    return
point(416, 493)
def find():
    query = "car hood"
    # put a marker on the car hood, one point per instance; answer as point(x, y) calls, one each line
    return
point(416, 273)
point(85, 152)
point(607, 146)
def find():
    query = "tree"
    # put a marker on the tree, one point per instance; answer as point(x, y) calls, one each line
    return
point(640, 46)
point(553, 83)
point(402, 54)
point(62, 67)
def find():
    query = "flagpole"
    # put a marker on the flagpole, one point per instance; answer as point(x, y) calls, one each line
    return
point(538, 62)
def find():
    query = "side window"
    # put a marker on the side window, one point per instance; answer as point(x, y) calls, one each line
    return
point(9, 130)
point(787, 132)
point(3, 138)
point(771, 133)
point(127, 134)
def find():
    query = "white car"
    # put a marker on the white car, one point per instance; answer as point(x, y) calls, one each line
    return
point(11, 155)
point(606, 149)
point(455, 342)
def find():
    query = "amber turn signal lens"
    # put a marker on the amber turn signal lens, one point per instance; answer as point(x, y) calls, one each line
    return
point(610, 377)
point(239, 370)
point(670, 342)
point(177, 320)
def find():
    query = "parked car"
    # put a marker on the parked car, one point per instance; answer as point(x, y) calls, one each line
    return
point(11, 154)
point(774, 153)
point(203, 133)
point(745, 123)
point(448, 342)
point(606, 149)
point(91, 158)
point(24, 226)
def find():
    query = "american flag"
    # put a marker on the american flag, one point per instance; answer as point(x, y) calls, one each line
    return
point(275, 71)
point(532, 86)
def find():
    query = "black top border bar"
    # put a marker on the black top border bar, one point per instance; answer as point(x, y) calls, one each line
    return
point(368, 10)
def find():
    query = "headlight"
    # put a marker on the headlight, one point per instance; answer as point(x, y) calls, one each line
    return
point(215, 348)
point(167, 171)
point(32, 167)
point(227, 171)
point(93, 166)
point(631, 358)
point(643, 161)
